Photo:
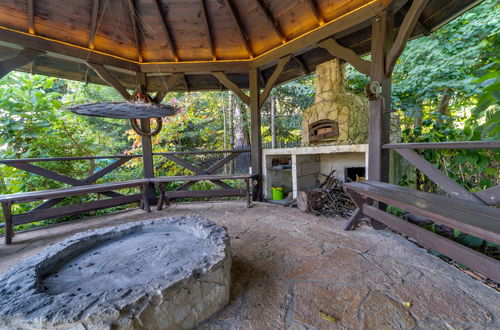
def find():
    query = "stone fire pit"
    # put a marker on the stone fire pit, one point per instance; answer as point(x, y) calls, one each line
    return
point(158, 274)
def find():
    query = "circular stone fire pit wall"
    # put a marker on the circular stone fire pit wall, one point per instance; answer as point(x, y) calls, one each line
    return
point(158, 274)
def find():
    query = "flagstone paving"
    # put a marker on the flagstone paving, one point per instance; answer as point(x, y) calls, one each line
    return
point(298, 271)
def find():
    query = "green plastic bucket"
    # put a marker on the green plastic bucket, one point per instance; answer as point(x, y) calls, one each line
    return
point(278, 193)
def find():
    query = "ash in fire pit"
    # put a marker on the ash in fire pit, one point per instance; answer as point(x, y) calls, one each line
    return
point(163, 273)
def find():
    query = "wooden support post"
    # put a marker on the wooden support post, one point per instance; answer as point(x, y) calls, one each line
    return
point(379, 123)
point(24, 57)
point(255, 134)
point(147, 145)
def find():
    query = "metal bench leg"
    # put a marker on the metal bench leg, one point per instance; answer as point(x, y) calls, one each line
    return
point(9, 230)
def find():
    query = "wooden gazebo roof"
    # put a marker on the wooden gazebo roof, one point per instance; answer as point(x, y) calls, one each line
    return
point(195, 37)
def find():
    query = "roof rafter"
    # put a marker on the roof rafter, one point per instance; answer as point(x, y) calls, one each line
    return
point(239, 27)
point(272, 20)
point(31, 17)
point(207, 29)
point(93, 23)
point(166, 31)
point(315, 10)
point(135, 27)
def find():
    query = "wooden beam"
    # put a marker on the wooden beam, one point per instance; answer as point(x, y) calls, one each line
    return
point(347, 54)
point(315, 10)
point(239, 27)
point(378, 132)
point(404, 33)
point(61, 50)
point(197, 67)
point(303, 65)
point(93, 23)
point(273, 22)
point(24, 57)
point(169, 85)
point(424, 29)
point(272, 80)
point(255, 133)
point(135, 28)
point(166, 31)
point(31, 17)
point(221, 76)
point(108, 78)
point(208, 31)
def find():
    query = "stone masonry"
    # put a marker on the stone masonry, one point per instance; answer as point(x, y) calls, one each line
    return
point(165, 273)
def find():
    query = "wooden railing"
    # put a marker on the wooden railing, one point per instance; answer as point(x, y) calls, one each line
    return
point(223, 158)
point(490, 196)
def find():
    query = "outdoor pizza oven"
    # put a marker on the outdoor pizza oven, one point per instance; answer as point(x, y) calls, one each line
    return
point(338, 115)
point(323, 129)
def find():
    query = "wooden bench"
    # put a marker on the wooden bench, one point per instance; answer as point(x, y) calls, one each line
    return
point(182, 191)
point(475, 219)
point(41, 213)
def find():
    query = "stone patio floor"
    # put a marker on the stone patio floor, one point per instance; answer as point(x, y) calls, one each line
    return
point(298, 271)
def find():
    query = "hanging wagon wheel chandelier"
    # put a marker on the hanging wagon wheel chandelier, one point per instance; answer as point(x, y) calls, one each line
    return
point(139, 108)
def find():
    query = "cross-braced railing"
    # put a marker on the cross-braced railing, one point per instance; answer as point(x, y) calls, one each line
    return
point(489, 196)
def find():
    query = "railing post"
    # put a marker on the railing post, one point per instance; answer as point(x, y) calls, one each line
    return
point(256, 138)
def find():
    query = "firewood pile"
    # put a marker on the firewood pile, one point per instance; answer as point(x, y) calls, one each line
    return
point(329, 199)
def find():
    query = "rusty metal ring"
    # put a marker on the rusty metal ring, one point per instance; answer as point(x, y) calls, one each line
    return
point(138, 130)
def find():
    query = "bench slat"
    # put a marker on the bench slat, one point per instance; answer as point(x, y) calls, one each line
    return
point(442, 200)
point(66, 210)
point(70, 191)
point(471, 258)
point(472, 223)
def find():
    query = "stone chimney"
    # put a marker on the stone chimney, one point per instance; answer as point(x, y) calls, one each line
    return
point(338, 115)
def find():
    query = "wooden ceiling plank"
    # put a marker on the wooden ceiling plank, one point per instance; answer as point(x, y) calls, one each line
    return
point(239, 27)
point(169, 85)
point(93, 23)
point(221, 76)
point(24, 57)
point(31, 17)
point(166, 31)
point(272, 80)
point(315, 10)
point(135, 28)
point(208, 31)
point(112, 81)
point(347, 54)
point(273, 22)
point(404, 33)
